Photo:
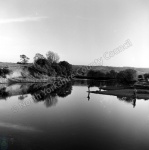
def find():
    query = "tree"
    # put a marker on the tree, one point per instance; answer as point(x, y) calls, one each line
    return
point(91, 73)
point(111, 74)
point(52, 57)
point(42, 65)
point(66, 68)
point(57, 69)
point(127, 76)
point(96, 74)
point(39, 63)
point(146, 76)
point(38, 56)
point(24, 59)
point(99, 74)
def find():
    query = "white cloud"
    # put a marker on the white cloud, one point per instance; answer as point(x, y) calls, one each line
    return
point(23, 19)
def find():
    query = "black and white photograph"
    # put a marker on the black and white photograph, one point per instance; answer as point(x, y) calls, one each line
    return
point(74, 75)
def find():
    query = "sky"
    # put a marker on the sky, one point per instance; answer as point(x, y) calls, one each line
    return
point(79, 31)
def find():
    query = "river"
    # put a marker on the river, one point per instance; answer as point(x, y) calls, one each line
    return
point(71, 119)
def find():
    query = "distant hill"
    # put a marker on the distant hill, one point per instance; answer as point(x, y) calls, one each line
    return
point(108, 68)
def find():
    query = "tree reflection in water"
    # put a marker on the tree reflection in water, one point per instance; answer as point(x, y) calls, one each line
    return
point(3, 93)
point(37, 92)
point(109, 86)
point(50, 99)
point(22, 97)
point(131, 100)
point(100, 84)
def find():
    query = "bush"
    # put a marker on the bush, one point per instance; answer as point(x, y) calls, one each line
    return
point(4, 72)
point(66, 68)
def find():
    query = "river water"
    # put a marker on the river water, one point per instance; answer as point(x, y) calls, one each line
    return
point(71, 119)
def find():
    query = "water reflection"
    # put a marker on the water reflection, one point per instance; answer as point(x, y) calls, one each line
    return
point(102, 123)
point(88, 97)
point(37, 91)
point(3, 93)
point(131, 100)
point(22, 97)
point(126, 93)
point(50, 98)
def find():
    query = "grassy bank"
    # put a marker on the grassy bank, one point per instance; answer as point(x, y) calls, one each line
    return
point(141, 94)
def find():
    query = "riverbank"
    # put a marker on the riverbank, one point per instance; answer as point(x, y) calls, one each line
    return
point(141, 94)
point(49, 80)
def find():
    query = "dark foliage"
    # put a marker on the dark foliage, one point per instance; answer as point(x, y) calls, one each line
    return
point(111, 74)
point(4, 72)
point(96, 74)
point(127, 76)
point(57, 68)
point(146, 76)
point(50, 99)
point(51, 68)
point(3, 93)
point(66, 68)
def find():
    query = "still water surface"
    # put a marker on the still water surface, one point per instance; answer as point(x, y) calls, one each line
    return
point(71, 121)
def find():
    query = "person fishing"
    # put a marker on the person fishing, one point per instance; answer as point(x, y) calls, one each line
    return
point(88, 97)
point(135, 96)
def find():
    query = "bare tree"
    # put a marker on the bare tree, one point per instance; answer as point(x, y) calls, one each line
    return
point(52, 57)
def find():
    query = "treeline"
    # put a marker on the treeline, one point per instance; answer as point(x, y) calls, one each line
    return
point(50, 66)
point(125, 76)
point(97, 74)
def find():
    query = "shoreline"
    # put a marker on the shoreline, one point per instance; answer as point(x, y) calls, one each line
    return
point(141, 94)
